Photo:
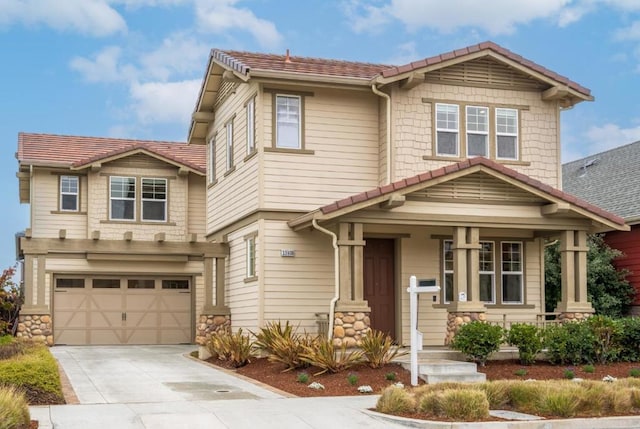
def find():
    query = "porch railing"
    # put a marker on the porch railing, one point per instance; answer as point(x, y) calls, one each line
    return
point(542, 320)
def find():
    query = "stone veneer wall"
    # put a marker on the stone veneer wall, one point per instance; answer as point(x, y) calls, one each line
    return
point(36, 327)
point(350, 327)
point(456, 319)
point(208, 324)
point(573, 317)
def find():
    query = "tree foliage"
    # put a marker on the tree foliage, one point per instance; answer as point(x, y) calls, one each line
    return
point(607, 288)
point(10, 301)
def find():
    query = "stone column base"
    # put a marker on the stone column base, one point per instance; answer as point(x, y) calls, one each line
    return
point(349, 328)
point(456, 319)
point(570, 316)
point(209, 324)
point(36, 327)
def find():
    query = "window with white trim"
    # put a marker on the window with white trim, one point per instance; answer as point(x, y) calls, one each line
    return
point(122, 198)
point(447, 129)
point(250, 243)
point(229, 128)
point(506, 133)
point(154, 200)
point(487, 272)
point(477, 131)
point(510, 275)
point(69, 186)
point(212, 160)
point(287, 123)
point(511, 264)
point(251, 126)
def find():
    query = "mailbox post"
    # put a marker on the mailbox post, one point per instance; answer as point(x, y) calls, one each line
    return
point(416, 335)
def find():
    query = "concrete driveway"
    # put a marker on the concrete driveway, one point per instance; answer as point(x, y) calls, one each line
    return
point(158, 387)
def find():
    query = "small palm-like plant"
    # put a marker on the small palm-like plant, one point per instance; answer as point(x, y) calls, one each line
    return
point(378, 349)
point(235, 348)
point(326, 356)
point(272, 332)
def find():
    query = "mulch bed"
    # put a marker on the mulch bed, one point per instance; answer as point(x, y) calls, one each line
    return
point(506, 370)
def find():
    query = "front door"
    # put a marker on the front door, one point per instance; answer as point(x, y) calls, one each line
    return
point(379, 281)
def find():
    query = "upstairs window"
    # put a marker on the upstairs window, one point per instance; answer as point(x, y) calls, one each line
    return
point(154, 200)
point(69, 186)
point(506, 133)
point(229, 128)
point(477, 131)
point(447, 129)
point(251, 126)
point(122, 198)
point(287, 123)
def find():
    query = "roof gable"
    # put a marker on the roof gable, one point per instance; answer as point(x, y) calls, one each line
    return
point(538, 191)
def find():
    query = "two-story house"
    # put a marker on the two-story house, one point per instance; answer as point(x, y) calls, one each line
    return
point(116, 250)
point(332, 182)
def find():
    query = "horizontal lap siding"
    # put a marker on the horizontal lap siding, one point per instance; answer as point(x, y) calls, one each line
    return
point(629, 244)
point(196, 214)
point(236, 193)
point(341, 128)
point(295, 288)
point(45, 194)
point(242, 298)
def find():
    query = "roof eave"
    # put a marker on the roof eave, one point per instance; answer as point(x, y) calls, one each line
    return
point(309, 77)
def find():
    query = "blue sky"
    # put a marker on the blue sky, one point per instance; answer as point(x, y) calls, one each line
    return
point(132, 68)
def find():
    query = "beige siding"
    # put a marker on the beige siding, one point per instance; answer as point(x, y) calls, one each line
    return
point(242, 297)
point(235, 193)
point(413, 132)
point(196, 208)
point(341, 127)
point(296, 288)
point(47, 220)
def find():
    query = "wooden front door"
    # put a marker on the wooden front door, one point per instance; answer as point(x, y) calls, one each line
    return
point(379, 282)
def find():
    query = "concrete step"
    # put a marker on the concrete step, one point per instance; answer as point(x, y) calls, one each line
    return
point(477, 377)
point(445, 370)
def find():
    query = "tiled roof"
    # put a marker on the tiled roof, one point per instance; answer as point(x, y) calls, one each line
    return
point(76, 151)
point(608, 179)
point(243, 62)
point(460, 166)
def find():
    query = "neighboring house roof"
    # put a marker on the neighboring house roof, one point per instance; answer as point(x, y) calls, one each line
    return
point(228, 66)
point(411, 184)
point(608, 179)
point(77, 152)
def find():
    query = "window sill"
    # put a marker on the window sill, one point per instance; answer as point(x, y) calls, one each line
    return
point(134, 222)
point(286, 150)
point(458, 159)
point(212, 184)
point(229, 171)
point(69, 212)
point(250, 155)
point(251, 279)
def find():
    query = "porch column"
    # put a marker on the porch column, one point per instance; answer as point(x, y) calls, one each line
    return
point(351, 319)
point(573, 258)
point(466, 279)
point(34, 319)
point(213, 317)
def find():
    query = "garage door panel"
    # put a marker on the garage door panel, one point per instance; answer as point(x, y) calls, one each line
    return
point(122, 316)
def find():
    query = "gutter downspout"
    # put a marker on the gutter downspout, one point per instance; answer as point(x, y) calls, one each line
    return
point(336, 258)
point(388, 103)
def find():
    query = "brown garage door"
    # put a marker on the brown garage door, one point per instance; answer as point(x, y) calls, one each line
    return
point(109, 310)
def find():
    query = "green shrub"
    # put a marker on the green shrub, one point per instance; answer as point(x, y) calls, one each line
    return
point(352, 379)
point(569, 374)
point(630, 339)
point(569, 343)
point(606, 336)
point(520, 372)
point(478, 340)
point(378, 349)
point(465, 404)
point(390, 376)
point(237, 349)
point(634, 372)
point(528, 339)
point(394, 400)
point(11, 299)
point(303, 377)
point(14, 409)
point(589, 369)
point(34, 371)
point(324, 355)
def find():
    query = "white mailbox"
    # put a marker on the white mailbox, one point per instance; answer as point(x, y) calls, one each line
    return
point(415, 288)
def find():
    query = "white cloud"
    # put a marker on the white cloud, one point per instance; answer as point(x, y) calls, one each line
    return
point(164, 102)
point(178, 54)
point(405, 53)
point(104, 66)
point(632, 32)
point(495, 17)
point(221, 16)
point(92, 17)
point(599, 139)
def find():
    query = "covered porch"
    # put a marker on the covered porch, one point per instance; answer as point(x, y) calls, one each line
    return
point(478, 230)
